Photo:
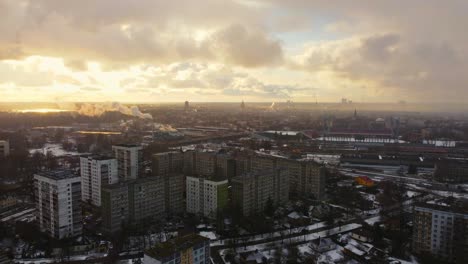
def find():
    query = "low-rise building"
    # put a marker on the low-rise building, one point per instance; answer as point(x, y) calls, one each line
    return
point(188, 249)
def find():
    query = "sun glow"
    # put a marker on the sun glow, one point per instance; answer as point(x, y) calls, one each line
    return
point(42, 110)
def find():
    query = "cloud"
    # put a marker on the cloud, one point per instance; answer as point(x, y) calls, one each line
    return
point(393, 65)
point(413, 50)
point(119, 32)
point(247, 47)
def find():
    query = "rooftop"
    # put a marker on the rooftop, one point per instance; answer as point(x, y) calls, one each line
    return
point(175, 245)
point(59, 174)
point(97, 157)
point(449, 204)
point(127, 145)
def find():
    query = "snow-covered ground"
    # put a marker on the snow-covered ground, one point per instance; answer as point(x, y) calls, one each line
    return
point(277, 234)
point(300, 238)
point(373, 220)
point(56, 150)
point(324, 158)
point(19, 214)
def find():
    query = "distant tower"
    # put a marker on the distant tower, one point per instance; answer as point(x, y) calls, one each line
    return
point(242, 105)
point(355, 113)
point(187, 106)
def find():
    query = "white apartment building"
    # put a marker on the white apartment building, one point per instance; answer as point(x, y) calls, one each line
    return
point(439, 228)
point(4, 148)
point(96, 171)
point(129, 160)
point(58, 203)
point(205, 196)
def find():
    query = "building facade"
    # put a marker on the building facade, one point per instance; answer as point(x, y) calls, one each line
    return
point(4, 148)
point(174, 186)
point(129, 161)
point(441, 229)
point(205, 197)
point(58, 203)
point(252, 191)
point(188, 249)
point(168, 162)
point(115, 207)
point(451, 171)
point(133, 202)
point(96, 172)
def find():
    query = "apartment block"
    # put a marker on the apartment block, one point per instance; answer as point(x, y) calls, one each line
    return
point(440, 228)
point(58, 203)
point(251, 191)
point(132, 202)
point(205, 197)
point(129, 161)
point(96, 172)
point(174, 187)
point(168, 162)
point(4, 148)
point(115, 207)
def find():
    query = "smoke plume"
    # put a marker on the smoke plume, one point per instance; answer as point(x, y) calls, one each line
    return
point(97, 109)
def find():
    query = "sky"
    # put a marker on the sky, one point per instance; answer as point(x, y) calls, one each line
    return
point(233, 50)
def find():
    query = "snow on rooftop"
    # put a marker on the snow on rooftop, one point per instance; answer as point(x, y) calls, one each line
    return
point(56, 150)
point(208, 234)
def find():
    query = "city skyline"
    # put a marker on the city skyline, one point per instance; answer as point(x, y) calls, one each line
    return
point(228, 51)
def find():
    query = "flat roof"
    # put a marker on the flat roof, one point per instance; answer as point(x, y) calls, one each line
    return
point(127, 145)
point(97, 157)
point(59, 174)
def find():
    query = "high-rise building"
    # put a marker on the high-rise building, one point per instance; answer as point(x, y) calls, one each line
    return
point(115, 207)
point(205, 163)
point(168, 162)
point(146, 199)
point(252, 191)
point(306, 177)
point(225, 166)
point(129, 161)
point(174, 186)
point(4, 148)
point(205, 197)
point(58, 203)
point(96, 172)
point(132, 202)
point(440, 228)
point(188, 249)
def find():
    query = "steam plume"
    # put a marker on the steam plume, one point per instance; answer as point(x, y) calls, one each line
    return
point(97, 109)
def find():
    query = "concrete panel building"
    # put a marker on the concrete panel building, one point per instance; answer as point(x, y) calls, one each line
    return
point(251, 191)
point(205, 197)
point(440, 228)
point(129, 161)
point(4, 148)
point(133, 202)
point(96, 172)
point(58, 203)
